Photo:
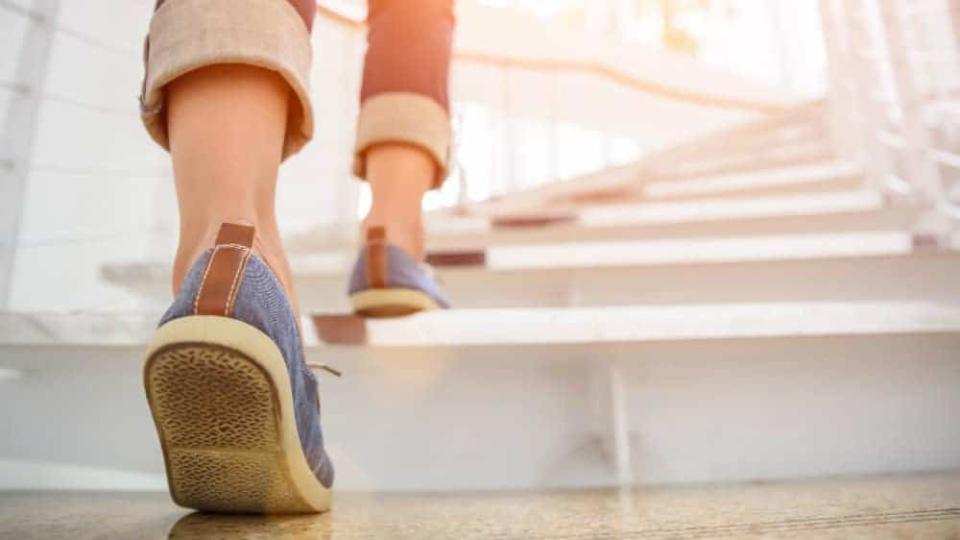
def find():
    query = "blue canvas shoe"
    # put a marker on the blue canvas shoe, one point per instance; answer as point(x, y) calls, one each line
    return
point(386, 282)
point(233, 400)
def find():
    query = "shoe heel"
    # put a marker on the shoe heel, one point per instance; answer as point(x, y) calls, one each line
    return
point(384, 303)
point(221, 402)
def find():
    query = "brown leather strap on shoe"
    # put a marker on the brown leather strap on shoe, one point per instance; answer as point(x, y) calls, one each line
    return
point(224, 271)
point(376, 258)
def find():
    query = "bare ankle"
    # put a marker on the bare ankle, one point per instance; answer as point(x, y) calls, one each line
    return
point(406, 234)
point(267, 246)
point(198, 233)
point(399, 176)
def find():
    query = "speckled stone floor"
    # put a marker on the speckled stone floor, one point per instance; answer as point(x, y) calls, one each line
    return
point(901, 507)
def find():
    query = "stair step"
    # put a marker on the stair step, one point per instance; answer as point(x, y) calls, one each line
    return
point(814, 177)
point(842, 268)
point(620, 181)
point(695, 250)
point(533, 399)
point(593, 255)
point(734, 208)
point(530, 326)
point(632, 324)
point(851, 278)
point(795, 155)
point(783, 144)
point(885, 219)
point(841, 211)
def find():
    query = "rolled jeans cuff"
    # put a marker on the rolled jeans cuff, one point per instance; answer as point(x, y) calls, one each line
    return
point(404, 118)
point(186, 35)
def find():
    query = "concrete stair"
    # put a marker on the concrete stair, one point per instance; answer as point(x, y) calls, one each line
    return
point(736, 226)
point(545, 397)
point(818, 178)
point(727, 205)
point(873, 265)
point(742, 308)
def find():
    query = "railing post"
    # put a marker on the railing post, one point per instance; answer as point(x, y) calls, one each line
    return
point(20, 132)
point(849, 28)
point(777, 17)
point(612, 404)
point(510, 131)
point(553, 141)
point(840, 100)
point(923, 171)
point(347, 194)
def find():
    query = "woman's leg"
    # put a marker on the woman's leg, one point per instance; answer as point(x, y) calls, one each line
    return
point(399, 176)
point(226, 92)
point(404, 128)
point(226, 126)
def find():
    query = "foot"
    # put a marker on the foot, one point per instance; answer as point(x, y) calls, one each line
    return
point(235, 406)
point(399, 176)
point(267, 246)
point(407, 235)
point(387, 282)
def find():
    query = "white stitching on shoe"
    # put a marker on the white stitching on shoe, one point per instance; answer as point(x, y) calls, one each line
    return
point(203, 281)
point(206, 272)
point(235, 287)
point(233, 246)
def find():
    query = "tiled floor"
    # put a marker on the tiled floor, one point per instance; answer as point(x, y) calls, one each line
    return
point(905, 507)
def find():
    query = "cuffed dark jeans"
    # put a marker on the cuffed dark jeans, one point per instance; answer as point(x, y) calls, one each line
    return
point(404, 97)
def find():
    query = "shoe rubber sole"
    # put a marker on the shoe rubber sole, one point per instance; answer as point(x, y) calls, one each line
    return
point(391, 302)
point(220, 397)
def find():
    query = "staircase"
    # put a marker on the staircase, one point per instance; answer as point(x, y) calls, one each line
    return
point(745, 307)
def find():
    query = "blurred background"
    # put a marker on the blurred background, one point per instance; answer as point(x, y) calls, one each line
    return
point(672, 225)
point(537, 91)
